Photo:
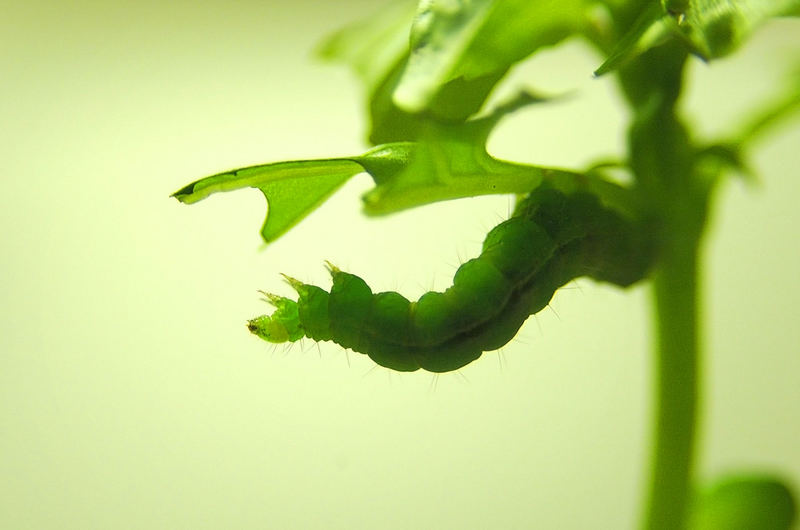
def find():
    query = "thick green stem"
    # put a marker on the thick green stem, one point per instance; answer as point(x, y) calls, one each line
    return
point(675, 288)
point(676, 193)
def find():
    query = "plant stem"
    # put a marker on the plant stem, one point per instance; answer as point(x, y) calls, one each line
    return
point(675, 288)
point(677, 194)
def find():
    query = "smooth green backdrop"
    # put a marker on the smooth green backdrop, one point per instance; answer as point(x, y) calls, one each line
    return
point(131, 394)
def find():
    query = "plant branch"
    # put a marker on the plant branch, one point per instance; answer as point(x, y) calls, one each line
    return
point(675, 291)
point(676, 195)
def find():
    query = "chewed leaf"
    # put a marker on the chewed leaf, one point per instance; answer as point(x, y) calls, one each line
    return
point(455, 101)
point(406, 174)
point(292, 189)
point(449, 161)
point(449, 164)
point(745, 502)
point(471, 40)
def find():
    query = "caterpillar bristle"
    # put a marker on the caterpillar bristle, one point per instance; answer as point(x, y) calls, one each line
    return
point(332, 269)
point(293, 283)
point(271, 299)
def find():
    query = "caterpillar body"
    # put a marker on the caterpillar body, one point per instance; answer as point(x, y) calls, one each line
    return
point(551, 239)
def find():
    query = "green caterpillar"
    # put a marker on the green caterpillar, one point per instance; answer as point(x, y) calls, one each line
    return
point(551, 239)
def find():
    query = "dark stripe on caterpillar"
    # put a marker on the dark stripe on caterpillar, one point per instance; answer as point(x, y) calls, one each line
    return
point(551, 239)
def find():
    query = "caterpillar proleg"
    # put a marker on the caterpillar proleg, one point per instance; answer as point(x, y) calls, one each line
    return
point(551, 239)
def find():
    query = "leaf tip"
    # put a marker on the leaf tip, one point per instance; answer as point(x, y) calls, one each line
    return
point(184, 193)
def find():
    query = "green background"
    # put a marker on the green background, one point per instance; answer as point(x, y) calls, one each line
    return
point(131, 394)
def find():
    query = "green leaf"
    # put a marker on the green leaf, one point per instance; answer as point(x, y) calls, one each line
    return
point(445, 166)
point(455, 102)
point(476, 39)
point(377, 50)
point(715, 160)
point(451, 164)
point(292, 189)
point(731, 151)
point(715, 28)
point(448, 161)
point(710, 28)
point(776, 110)
point(745, 502)
point(373, 46)
point(650, 29)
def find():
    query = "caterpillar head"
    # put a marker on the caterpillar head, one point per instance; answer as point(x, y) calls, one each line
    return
point(281, 326)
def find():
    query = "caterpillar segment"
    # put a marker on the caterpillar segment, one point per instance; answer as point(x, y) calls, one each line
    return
point(551, 239)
